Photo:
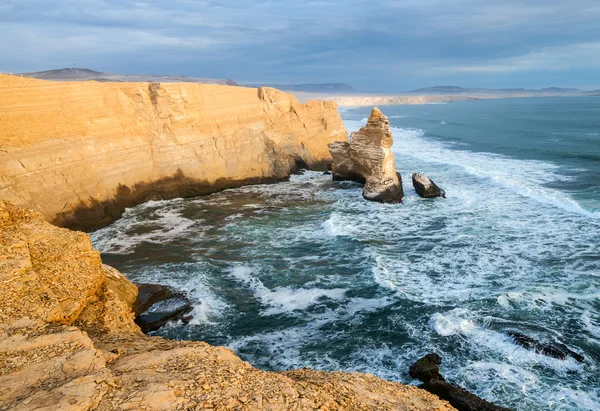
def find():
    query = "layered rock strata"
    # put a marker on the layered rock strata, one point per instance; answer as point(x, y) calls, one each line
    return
point(425, 187)
point(368, 159)
point(80, 152)
point(68, 341)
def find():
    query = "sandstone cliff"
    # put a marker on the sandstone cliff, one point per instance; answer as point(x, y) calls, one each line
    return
point(368, 159)
point(68, 341)
point(80, 152)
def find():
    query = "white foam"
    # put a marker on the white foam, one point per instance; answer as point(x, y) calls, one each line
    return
point(461, 322)
point(592, 326)
point(452, 323)
point(119, 237)
point(284, 299)
point(524, 177)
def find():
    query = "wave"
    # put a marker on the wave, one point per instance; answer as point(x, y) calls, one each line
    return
point(284, 299)
point(152, 222)
point(523, 177)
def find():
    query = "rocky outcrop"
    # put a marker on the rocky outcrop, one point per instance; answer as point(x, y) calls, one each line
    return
point(555, 350)
point(54, 275)
point(68, 341)
point(425, 187)
point(342, 167)
point(427, 369)
point(80, 152)
point(368, 159)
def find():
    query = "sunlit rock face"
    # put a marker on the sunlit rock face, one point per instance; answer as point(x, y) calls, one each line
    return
point(368, 159)
point(80, 152)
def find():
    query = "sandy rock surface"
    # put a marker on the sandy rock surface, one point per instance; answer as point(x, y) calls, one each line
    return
point(68, 341)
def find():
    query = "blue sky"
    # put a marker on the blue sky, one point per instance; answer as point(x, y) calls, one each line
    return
point(376, 45)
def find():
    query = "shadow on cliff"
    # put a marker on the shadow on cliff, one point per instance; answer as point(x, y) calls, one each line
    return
point(94, 214)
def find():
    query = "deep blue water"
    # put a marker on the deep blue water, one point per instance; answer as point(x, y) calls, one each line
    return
point(307, 273)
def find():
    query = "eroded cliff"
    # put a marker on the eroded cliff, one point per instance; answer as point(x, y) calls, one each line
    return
point(80, 152)
point(68, 341)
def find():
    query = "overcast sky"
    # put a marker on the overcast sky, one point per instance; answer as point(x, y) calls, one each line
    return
point(376, 45)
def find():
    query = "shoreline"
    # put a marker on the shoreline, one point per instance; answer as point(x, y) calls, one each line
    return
point(78, 347)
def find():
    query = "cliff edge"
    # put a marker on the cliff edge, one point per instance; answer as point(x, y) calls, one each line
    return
point(68, 341)
point(80, 152)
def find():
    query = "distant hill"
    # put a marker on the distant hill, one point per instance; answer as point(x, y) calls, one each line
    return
point(440, 90)
point(83, 74)
point(502, 91)
point(310, 88)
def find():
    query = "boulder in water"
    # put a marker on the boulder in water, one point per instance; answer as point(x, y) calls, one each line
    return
point(425, 187)
point(427, 369)
point(172, 309)
point(368, 159)
point(158, 304)
point(148, 295)
point(561, 351)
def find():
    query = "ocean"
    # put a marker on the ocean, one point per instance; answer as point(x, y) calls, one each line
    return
point(308, 274)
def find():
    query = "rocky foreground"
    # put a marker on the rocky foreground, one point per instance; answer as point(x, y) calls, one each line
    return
point(68, 341)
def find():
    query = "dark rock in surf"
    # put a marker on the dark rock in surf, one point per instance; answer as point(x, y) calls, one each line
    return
point(425, 187)
point(559, 351)
point(157, 304)
point(148, 295)
point(459, 398)
point(172, 309)
point(427, 369)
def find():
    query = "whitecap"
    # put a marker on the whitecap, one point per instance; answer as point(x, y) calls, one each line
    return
point(284, 299)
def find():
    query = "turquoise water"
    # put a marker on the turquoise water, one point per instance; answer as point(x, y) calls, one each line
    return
point(307, 273)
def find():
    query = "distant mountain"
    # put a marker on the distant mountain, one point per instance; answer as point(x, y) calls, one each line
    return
point(503, 91)
point(440, 90)
point(310, 88)
point(559, 90)
point(83, 74)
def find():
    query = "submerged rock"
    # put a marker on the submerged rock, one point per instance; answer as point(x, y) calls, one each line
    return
point(427, 369)
point(561, 352)
point(425, 187)
point(368, 159)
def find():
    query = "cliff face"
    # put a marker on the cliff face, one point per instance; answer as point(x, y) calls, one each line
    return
point(80, 152)
point(54, 275)
point(68, 341)
point(368, 159)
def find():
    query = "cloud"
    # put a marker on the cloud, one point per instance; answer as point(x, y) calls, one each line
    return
point(584, 55)
point(374, 44)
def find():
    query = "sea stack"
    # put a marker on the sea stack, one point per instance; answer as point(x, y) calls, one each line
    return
point(425, 187)
point(368, 159)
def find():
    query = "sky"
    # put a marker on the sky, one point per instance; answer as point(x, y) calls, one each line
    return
point(373, 45)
